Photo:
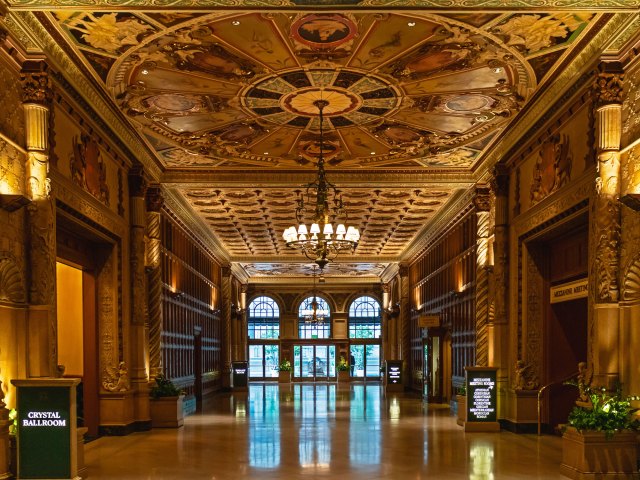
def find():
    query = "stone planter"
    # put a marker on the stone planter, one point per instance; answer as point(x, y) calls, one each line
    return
point(343, 376)
point(461, 400)
point(167, 412)
point(284, 377)
point(590, 455)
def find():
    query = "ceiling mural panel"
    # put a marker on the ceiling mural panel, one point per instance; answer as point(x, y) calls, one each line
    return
point(250, 221)
point(236, 90)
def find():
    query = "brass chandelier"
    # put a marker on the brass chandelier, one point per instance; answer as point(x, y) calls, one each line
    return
point(313, 314)
point(327, 235)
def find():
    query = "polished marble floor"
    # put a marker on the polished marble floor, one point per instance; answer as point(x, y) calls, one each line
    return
point(322, 431)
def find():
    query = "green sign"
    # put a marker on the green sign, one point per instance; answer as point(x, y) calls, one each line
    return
point(481, 395)
point(44, 432)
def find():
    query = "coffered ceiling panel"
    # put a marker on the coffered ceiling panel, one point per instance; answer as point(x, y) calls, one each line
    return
point(250, 221)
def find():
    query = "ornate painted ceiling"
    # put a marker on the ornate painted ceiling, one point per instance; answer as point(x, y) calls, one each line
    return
point(224, 100)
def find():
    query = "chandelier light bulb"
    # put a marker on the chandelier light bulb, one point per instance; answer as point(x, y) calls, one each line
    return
point(315, 228)
point(328, 229)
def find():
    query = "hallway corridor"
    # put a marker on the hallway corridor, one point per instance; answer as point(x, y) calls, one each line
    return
point(322, 431)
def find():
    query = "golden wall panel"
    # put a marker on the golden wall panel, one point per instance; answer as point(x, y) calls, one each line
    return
point(558, 157)
point(12, 118)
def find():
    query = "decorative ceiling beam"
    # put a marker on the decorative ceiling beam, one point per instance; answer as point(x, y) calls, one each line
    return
point(375, 178)
point(475, 6)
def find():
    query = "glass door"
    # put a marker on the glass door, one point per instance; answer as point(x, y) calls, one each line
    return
point(372, 361)
point(365, 361)
point(314, 362)
point(432, 373)
point(263, 361)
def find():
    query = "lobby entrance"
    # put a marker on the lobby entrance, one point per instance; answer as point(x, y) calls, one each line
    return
point(263, 361)
point(314, 362)
point(365, 361)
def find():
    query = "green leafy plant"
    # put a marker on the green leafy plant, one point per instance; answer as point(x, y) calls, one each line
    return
point(164, 388)
point(605, 412)
point(462, 391)
point(285, 366)
point(343, 366)
point(13, 418)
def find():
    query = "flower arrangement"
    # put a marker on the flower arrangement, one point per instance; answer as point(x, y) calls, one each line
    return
point(343, 366)
point(165, 388)
point(462, 391)
point(285, 366)
point(605, 412)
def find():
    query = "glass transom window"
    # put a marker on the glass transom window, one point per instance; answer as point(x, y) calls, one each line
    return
point(364, 318)
point(264, 319)
point(308, 328)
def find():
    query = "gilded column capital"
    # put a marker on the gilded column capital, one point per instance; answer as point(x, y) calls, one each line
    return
point(36, 83)
point(154, 198)
point(609, 84)
point(500, 181)
point(403, 270)
point(482, 199)
point(137, 182)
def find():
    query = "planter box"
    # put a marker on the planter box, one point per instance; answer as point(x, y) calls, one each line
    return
point(590, 455)
point(461, 400)
point(284, 377)
point(167, 412)
point(344, 376)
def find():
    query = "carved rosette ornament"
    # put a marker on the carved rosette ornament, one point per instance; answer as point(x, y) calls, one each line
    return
point(606, 225)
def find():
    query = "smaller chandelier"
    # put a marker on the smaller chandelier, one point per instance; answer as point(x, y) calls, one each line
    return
point(327, 235)
point(314, 314)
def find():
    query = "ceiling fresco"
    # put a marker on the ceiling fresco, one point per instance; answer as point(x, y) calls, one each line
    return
point(236, 90)
point(416, 102)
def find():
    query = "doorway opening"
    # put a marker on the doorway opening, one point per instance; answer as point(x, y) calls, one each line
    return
point(365, 361)
point(432, 351)
point(263, 361)
point(314, 362)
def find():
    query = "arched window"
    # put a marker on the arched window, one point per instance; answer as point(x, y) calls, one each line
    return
point(364, 318)
point(264, 318)
point(308, 327)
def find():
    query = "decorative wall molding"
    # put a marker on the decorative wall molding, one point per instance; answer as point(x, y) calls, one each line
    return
point(12, 288)
point(241, 5)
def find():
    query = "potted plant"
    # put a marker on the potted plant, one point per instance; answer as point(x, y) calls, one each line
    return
point(284, 375)
point(461, 400)
point(343, 370)
point(600, 439)
point(166, 403)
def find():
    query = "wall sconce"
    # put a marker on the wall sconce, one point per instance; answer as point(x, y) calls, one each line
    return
point(631, 200)
point(456, 294)
point(175, 294)
point(11, 203)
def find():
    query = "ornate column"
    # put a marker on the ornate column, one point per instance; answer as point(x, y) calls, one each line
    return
point(41, 220)
point(389, 321)
point(139, 326)
point(404, 318)
point(498, 323)
point(154, 279)
point(482, 202)
point(226, 326)
point(605, 226)
point(242, 323)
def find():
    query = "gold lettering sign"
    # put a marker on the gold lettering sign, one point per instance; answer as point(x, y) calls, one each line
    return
point(569, 291)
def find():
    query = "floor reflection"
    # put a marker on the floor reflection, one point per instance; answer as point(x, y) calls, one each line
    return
point(264, 426)
point(323, 430)
point(364, 425)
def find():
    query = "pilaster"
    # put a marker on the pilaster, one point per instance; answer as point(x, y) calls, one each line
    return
point(226, 326)
point(41, 220)
point(605, 226)
point(139, 325)
point(404, 329)
point(482, 203)
point(154, 203)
